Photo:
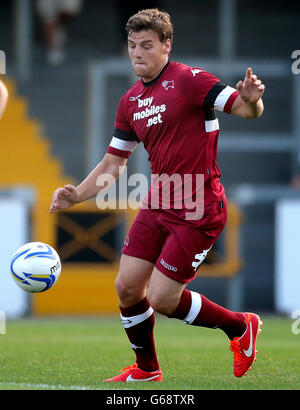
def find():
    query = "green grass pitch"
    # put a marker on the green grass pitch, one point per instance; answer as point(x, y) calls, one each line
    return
point(56, 353)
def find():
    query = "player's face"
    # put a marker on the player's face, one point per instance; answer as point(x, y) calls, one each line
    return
point(147, 54)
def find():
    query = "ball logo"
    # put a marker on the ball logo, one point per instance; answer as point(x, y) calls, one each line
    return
point(55, 267)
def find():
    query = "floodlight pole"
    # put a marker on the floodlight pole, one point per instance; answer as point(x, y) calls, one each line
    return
point(227, 29)
point(22, 38)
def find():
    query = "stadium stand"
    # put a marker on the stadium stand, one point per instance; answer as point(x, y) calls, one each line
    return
point(57, 98)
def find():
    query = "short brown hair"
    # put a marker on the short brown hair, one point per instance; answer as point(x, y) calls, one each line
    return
point(152, 19)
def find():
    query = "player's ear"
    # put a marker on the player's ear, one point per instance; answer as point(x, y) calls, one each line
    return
point(167, 46)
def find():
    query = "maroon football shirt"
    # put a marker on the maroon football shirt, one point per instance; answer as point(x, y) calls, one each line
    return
point(174, 117)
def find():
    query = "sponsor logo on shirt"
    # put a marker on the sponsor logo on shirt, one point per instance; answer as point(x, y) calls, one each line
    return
point(146, 102)
point(153, 111)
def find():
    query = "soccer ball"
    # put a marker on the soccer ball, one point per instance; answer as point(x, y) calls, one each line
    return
point(35, 267)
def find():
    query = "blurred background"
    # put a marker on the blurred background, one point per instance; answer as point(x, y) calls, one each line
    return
point(67, 69)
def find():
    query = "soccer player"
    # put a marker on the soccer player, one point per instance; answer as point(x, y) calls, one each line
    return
point(3, 97)
point(171, 110)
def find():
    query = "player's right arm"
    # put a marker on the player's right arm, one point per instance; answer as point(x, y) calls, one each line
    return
point(3, 97)
point(69, 195)
point(123, 143)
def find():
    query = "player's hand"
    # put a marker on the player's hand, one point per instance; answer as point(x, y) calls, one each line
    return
point(64, 198)
point(251, 89)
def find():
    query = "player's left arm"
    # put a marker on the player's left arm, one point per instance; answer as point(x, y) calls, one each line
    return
point(249, 102)
point(3, 97)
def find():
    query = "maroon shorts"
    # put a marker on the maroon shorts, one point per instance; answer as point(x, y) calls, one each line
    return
point(176, 247)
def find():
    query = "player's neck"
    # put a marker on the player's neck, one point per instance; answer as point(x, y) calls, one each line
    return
point(149, 81)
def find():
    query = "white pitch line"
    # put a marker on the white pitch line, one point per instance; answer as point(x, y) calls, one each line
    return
point(45, 386)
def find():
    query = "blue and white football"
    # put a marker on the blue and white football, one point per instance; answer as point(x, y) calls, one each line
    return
point(35, 267)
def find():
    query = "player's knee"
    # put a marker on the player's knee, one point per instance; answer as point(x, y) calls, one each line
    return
point(122, 288)
point(161, 303)
point(127, 291)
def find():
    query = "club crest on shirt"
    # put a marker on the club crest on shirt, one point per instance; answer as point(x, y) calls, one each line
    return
point(168, 84)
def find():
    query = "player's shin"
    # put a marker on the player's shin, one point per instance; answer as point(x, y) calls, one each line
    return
point(138, 321)
point(195, 309)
